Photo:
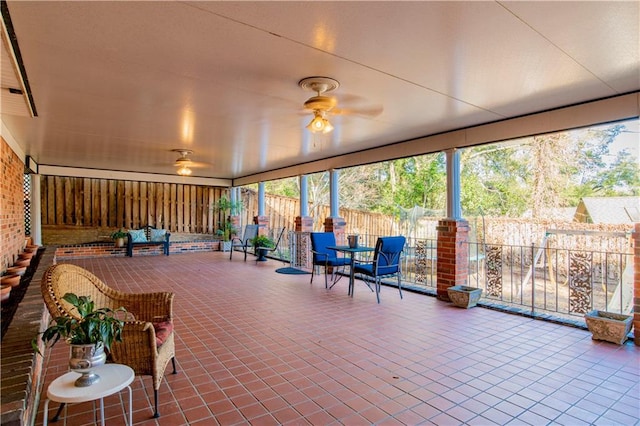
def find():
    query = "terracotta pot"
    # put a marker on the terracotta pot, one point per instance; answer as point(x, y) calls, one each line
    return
point(11, 280)
point(5, 292)
point(26, 255)
point(22, 262)
point(31, 249)
point(16, 270)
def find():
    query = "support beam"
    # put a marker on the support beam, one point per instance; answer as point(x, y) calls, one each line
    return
point(454, 211)
point(334, 197)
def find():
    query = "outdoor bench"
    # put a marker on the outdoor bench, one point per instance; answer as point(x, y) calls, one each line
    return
point(148, 235)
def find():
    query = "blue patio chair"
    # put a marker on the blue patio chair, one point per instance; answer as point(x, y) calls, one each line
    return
point(386, 262)
point(322, 256)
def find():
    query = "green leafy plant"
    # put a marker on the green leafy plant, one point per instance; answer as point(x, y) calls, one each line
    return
point(95, 326)
point(120, 233)
point(263, 241)
point(225, 206)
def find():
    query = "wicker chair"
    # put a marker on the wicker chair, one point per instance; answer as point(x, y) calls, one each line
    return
point(138, 348)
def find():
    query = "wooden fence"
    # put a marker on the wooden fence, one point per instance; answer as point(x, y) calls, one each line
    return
point(282, 212)
point(129, 204)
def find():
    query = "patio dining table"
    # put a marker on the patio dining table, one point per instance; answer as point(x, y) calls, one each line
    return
point(352, 251)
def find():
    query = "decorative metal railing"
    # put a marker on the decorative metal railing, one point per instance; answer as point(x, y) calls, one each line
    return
point(543, 281)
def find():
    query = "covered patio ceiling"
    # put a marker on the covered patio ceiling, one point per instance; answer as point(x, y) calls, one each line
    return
point(117, 85)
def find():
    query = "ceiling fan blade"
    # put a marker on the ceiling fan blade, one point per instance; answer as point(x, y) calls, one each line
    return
point(369, 111)
point(190, 163)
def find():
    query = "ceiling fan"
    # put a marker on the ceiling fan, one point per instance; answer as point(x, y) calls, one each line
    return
point(322, 105)
point(184, 163)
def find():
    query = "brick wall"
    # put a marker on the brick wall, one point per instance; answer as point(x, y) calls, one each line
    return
point(86, 251)
point(12, 239)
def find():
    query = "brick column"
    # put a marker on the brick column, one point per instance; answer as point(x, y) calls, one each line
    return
point(636, 284)
point(263, 224)
point(336, 225)
point(453, 255)
point(303, 225)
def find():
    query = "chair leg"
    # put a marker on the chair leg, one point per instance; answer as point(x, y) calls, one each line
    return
point(377, 284)
point(326, 284)
point(155, 397)
point(313, 270)
point(173, 361)
point(400, 285)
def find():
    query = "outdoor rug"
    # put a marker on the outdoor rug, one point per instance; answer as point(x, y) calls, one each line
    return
point(291, 271)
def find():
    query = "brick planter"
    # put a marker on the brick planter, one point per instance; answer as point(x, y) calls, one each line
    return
point(463, 296)
point(608, 326)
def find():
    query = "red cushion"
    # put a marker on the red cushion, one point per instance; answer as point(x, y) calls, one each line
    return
point(163, 330)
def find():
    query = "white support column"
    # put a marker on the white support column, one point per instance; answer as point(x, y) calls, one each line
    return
point(333, 192)
point(304, 196)
point(261, 208)
point(36, 210)
point(232, 195)
point(454, 210)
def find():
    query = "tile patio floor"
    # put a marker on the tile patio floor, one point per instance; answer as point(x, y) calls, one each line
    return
point(257, 347)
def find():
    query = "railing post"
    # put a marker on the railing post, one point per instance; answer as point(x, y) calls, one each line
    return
point(533, 279)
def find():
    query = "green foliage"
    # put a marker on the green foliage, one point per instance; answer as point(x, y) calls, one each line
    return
point(263, 241)
point(97, 326)
point(120, 233)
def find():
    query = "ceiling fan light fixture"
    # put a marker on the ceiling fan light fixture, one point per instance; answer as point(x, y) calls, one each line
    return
point(319, 124)
point(184, 171)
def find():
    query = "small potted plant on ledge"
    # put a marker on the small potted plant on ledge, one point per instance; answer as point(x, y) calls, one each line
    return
point(262, 244)
point(119, 237)
point(89, 336)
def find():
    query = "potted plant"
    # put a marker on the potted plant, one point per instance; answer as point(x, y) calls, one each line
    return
point(262, 244)
point(89, 335)
point(226, 229)
point(118, 237)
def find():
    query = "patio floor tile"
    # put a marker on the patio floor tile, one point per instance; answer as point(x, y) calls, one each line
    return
point(257, 347)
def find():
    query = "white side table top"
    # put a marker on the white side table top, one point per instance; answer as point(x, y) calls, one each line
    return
point(113, 378)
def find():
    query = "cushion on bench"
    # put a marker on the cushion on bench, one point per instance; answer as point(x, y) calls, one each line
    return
point(138, 236)
point(157, 235)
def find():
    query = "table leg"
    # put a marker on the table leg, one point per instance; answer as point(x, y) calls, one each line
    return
point(351, 275)
point(102, 411)
point(45, 420)
point(130, 406)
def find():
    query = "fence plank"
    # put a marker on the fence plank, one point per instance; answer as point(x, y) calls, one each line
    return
point(104, 206)
point(128, 207)
point(192, 209)
point(180, 206)
point(165, 205)
point(174, 207)
point(144, 204)
point(79, 217)
point(120, 206)
point(86, 201)
point(157, 211)
point(95, 202)
point(112, 212)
